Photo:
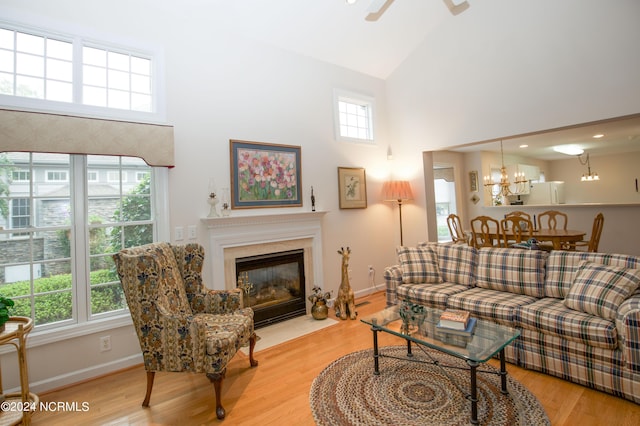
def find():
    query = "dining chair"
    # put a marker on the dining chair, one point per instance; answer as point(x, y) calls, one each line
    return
point(552, 219)
point(485, 232)
point(455, 229)
point(518, 213)
point(516, 229)
point(592, 244)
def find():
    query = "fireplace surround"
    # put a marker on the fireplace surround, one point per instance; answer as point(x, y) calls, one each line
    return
point(235, 237)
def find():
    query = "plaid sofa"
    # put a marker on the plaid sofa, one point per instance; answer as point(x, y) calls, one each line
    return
point(578, 313)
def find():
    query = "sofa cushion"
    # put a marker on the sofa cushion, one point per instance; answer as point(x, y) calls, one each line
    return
point(551, 316)
point(458, 263)
point(512, 270)
point(419, 265)
point(600, 289)
point(494, 305)
point(562, 266)
point(432, 295)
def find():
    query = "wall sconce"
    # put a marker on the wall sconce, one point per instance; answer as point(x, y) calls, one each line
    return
point(589, 177)
point(398, 191)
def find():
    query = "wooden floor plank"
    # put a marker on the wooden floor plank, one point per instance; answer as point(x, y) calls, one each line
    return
point(277, 391)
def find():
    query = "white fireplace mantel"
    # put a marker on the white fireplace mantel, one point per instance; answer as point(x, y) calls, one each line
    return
point(238, 231)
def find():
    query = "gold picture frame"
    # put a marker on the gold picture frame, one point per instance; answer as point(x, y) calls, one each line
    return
point(473, 181)
point(352, 187)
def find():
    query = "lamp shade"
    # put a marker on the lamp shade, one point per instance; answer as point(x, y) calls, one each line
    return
point(397, 190)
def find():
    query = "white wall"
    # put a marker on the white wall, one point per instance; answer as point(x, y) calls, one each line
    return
point(510, 67)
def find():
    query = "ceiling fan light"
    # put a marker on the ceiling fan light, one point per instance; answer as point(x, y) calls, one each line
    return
point(351, 1)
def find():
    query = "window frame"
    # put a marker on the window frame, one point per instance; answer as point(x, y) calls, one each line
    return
point(58, 32)
point(83, 321)
point(360, 100)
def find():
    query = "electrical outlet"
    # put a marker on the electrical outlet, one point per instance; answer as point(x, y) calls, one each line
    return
point(191, 231)
point(105, 343)
point(179, 233)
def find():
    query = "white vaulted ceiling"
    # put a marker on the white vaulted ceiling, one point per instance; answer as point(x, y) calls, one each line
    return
point(334, 31)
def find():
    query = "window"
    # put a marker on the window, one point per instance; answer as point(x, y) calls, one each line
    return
point(20, 176)
point(67, 69)
point(57, 176)
point(353, 117)
point(57, 267)
point(35, 66)
point(20, 213)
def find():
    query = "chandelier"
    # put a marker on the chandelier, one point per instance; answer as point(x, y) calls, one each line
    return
point(589, 177)
point(503, 187)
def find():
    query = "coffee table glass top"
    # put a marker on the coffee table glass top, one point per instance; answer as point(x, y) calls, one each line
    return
point(486, 341)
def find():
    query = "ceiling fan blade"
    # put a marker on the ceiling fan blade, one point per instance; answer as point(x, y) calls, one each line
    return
point(456, 9)
point(377, 8)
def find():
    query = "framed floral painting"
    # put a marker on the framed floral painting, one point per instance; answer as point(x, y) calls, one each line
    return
point(352, 187)
point(265, 175)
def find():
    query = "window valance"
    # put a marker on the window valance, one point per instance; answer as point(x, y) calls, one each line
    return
point(44, 132)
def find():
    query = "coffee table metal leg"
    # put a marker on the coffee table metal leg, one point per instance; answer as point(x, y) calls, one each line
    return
point(474, 392)
point(503, 373)
point(376, 369)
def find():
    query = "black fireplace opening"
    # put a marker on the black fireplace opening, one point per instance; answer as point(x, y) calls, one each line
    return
point(276, 285)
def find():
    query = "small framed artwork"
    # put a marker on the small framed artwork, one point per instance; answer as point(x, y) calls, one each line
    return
point(265, 175)
point(473, 181)
point(352, 187)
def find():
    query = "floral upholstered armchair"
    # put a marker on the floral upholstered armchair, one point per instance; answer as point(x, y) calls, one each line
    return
point(182, 327)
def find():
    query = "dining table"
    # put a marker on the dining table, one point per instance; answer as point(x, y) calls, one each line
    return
point(558, 237)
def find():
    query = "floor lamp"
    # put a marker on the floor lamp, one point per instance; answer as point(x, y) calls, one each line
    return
point(397, 191)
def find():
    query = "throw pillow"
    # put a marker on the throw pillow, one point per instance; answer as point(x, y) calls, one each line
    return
point(600, 289)
point(419, 265)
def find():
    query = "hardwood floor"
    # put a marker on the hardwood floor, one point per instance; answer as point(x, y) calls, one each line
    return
point(277, 391)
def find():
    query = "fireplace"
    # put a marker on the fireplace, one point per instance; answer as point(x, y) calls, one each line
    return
point(236, 237)
point(274, 285)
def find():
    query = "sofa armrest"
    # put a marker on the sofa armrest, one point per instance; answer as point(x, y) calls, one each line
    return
point(392, 278)
point(628, 326)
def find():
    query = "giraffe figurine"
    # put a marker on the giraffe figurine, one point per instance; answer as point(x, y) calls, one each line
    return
point(344, 301)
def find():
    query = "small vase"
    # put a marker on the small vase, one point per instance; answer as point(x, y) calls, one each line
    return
point(319, 310)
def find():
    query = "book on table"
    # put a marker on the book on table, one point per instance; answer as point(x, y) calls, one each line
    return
point(455, 319)
point(467, 331)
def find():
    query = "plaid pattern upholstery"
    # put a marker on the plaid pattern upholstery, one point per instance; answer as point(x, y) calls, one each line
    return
point(493, 305)
point(600, 289)
point(599, 353)
point(419, 265)
point(432, 295)
point(458, 263)
point(392, 279)
point(512, 270)
point(563, 265)
point(551, 317)
point(628, 326)
point(597, 368)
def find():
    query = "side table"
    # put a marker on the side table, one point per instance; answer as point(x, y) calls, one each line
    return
point(15, 333)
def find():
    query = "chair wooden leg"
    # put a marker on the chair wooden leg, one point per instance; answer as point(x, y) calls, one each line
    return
point(216, 379)
point(150, 376)
point(252, 344)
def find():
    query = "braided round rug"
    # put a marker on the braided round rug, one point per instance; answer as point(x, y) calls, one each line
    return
point(408, 393)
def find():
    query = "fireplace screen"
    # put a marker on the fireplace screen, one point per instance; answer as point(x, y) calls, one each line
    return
point(274, 285)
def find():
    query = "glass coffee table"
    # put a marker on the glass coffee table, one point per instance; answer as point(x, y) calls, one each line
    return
point(487, 340)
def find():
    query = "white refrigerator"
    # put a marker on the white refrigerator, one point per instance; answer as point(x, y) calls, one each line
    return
point(546, 193)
